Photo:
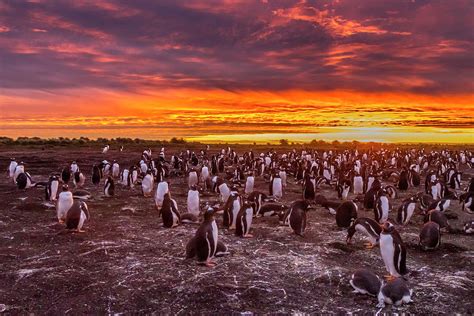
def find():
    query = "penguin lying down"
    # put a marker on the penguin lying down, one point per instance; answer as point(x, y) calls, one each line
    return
point(395, 292)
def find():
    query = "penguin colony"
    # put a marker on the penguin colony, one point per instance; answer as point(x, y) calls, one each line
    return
point(367, 180)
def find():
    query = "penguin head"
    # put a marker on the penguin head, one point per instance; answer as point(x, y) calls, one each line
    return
point(12, 159)
point(387, 227)
point(65, 187)
point(193, 187)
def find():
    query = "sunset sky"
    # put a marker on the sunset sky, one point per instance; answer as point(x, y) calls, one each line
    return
point(232, 70)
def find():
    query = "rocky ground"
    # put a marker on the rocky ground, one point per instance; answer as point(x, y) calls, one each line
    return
point(127, 262)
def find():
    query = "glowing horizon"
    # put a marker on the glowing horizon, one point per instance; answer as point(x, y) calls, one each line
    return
point(241, 71)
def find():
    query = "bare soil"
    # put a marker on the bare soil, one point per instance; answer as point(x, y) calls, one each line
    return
point(127, 262)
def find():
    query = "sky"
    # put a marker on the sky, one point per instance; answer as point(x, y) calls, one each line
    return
point(235, 70)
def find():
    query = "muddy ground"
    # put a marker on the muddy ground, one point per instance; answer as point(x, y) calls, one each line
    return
point(127, 262)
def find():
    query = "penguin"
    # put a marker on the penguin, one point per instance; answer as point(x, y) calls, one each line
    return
point(121, 148)
point(366, 226)
point(77, 214)
point(224, 192)
point(331, 206)
point(271, 209)
point(66, 175)
point(256, 198)
point(52, 189)
point(425, 201)
point(109, 187)
point(440, 205)
point(147, 185)
point(12, 167)
point(65, 201)
point(221, 249)
point(124, 177)
point(394, 292)
point(192, 178)
point(365, 282)
point(308, 187)
point(74, 167)
point(105, 149)
point(161, 190)
point(244, 221)
point(296, 217)
point(391, 191)
point(358, 184)
point(343, 189)
point(276, 188)
point(469, 227)
point(231, 209)
point(193, 200)
point(414, 178)
point(346, 213)
point(439, 218)
point(430, 236)
point(206, 239)
point(20, 168)
point(393, 251)
point(382, 207)
point(96, 174)
point(467, 202)
point(115, 169)
point(403, 180)
point(143, 167)
point(249, 183)
point(205, 177)
point(169, 212)
point(78, 179)
point(370, 196)
point(406, 210)
point(133, 174)
point(24, 181)
point(81, 194)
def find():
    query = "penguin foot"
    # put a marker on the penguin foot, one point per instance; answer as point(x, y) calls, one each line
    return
point(80, 231)
point(369, 245)
point(389, 277)
point(248, 236)
point(61, 221)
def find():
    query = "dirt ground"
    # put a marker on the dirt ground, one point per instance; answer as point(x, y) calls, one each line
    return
point(127, 262)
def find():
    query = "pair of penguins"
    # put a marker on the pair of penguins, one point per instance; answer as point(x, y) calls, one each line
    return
point(72, 212)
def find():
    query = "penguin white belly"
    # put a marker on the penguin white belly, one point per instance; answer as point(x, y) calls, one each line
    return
point(363, 230)
point(249, 185)
point(65, 202)
point(82, 219)
point(193, 179)
point(161, 190)
point(434, 192)
point(248, 218)
point(385, 209)
point(283, 178)
point(277, 188)
point(225, 192)
point(327, 174)
point(12, 168)
point(345, 192)
point(124, 179)
point(358, 185)
point(214, 238)
point(370, 182)
point(54, 190)
point(410, 210)
point(115, 171)
point(18, 170)
point(204, 173)
point(387, 250)
point(235, 211)
point(193, 202)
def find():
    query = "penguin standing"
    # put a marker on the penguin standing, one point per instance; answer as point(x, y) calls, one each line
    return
point(393, 251)
point(65, 201)
point(368, 227)
point(382, 207)
point(161, 190)
point(169, 212)
point(406, 210)
point(430, 236)
point(283, 177)
point(124, 177)
point(346, 213)
point(193, 201)
point(358, 184)
point(147, 185)
point(249, 183)
point(115, 169)
point(231, 209)
point(52, 189)
point(308, 187)
point(96, 174)
point(205, 177)
point(395, 292)
point(256, 198)
point(109, 187)
point(206, 239)
point(105, 149)
point(192, 178)
point(12, 167)
point(66, 175)
point(343, 189)
point(276, 188)
point(365, 282)
point(78, 179)
point(77, 214)
point(296, 217)
point(19, 169)
point(24, 181)
point(224, 192)
point(244, 221)
point(403, 180)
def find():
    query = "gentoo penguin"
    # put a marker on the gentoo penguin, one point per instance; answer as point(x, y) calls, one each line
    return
point(52, 189)
point(439, 218)
point(309, 184)
point(365, 282)
point(193, 200)
point(192, 178)
point(467, 201)
point(109, 187)
point(20, 168)
point(78, 179)
point(346, 213)
point(24, 181)
point(65, 202)
point(124, 177)
point(12, 167)
point(77, 214)
point(469, 227)
point(105, 149)
point(366, 226)
point(133, 174)
point(276, 188)
point(231, 209)
point(395, 292)
point(74, 167)
point(393, 251)
point(440, 205)
point(249, 183)
point(96, 174)
point(343, 189)
point(283, 177)
point(115, 169)
point(143, 166)
point(382, 207)
point(256, 198)
point(206, 239)
point(358, 184)
point(296, 217)
point(81, 194)
point(224, 192)
point(169, 212)
point(147, 185)
point(271, 209)
point(391, 191)
point(403, 180)
point(244, 221)
point(66, 175)
point(205, 177)
point(161, 190)
point(430, 236)
point(221, 249)
point(406, 210)
point(370, 196)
